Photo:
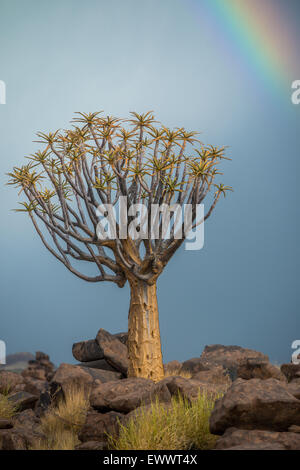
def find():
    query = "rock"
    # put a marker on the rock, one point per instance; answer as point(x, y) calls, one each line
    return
point(216, 375)
point(5, 424)
point(262, 446)
point(71, 375)
point(194, 365)
point(258, 439)
point(23, 400)
point(41, 356)
point(229, 357)
point(123, 395)
point(123, 337)
point(26, 419)
point(24, 433)
point(92, 445)
point(34, 386)
point(9, 381)
point(172, 367)
point(100, 364)
point(40, 368)
point(291, 371)
point(187, 388)
point(35, 371)
point(86, 351)
point(11, 440)
point(259, 369)
point(114, 351)
point(294, 388)
point(294, 428)
point(98, 425)
point(255, 403)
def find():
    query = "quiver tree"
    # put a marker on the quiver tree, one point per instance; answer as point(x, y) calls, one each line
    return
point(96, 163)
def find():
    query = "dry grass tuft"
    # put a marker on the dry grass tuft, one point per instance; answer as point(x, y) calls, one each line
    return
point(7, 409)
point(178, 372)
point(61, 424)
point(182, 426)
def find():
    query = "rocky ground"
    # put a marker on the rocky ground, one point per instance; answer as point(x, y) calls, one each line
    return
point(259, 408)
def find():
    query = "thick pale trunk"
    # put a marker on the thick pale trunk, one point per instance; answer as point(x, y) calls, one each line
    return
point(144, 346)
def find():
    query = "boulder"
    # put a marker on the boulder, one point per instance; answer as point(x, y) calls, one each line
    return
point(123, 395)
point(73, 375)
point(255, 404)
point(255, 447)
point(194, 365)
point(187, 388)
point(100, 364)
point(9, 381)
point(92, 445)
point(258, 439)
point(23, 400)
point(12, 440)
point(114, 351)
point(216, 375)
point(24, 434)
point(259, 369)
point(230, 357)
point(123, 337)
point(291, 371)
point(294, 388)
point(6, 424)
point(86, 351)
point(172, 367)
point(34, 386)
point(294, 428)
point(98, 425)
point(39, 368)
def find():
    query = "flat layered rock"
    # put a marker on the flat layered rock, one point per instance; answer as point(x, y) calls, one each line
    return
point(258, 439)
point(255, 404)
point(123, 396)
point(86, 351)
point(114, 351)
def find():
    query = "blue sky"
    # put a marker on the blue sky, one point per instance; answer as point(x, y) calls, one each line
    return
point(242, 287)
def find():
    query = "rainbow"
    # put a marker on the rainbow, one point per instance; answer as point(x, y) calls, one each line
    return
point(260, 33)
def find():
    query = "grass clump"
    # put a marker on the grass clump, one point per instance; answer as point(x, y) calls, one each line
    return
point(61, 424)
point(7, 409)
point(178, 372)
point(181, 426)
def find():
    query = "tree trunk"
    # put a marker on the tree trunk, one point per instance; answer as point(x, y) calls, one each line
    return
point(144, 346)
